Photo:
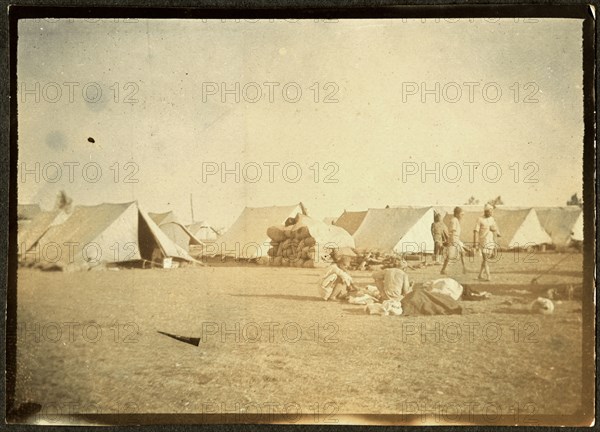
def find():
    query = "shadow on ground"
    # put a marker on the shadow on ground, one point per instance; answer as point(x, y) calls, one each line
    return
point(282, 297)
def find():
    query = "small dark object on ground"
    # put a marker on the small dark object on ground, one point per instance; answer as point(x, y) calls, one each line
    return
point(189, 340)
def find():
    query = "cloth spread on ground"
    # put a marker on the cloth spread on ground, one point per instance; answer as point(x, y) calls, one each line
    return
point(371, 290)
point(388, 307)
point(472, 295)
point(446, 286)
point(422, 302)
point(363, 299)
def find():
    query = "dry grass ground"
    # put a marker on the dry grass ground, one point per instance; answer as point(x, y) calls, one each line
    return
point(494, 355)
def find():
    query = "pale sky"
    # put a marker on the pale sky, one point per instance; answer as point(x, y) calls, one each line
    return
point(173, 130)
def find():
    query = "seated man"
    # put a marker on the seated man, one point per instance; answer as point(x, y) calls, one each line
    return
point(336, 281)
point(392, 283)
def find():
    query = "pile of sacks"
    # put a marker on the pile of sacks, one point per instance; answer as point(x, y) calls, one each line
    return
point(306, 242)
point(292, 247)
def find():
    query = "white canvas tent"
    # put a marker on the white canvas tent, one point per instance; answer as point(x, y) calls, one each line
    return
point(330, 220)
point(203, 231)
point(105, 233)
point(29, 234)
point(177, 232)
point(326, 235)
point(520, 228)
point(397, 229)
point(350, 220)
point(247, 238)
point(26, 212)
point(308, 243)
point(180, 235)
point(563, 224)
point(161, 218)
point(577, 230)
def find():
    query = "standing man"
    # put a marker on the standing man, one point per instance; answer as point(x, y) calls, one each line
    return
point(485, 229)
point(455, 245)
point(439, 232)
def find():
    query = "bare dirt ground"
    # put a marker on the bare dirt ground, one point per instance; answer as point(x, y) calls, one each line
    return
point(267, 339)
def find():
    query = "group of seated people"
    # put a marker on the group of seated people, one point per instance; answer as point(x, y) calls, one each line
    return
point(393, 289)
point(337, 284)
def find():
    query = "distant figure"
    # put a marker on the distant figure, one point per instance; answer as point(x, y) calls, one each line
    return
point(336, 282)
point(483, 236)
point(439, 232)
point(455, 246)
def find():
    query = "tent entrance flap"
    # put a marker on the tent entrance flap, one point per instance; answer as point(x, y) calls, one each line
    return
point(146, 240)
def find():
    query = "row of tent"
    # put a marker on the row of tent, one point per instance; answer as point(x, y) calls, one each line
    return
point(199, 230)
point(101, 234)
point(408, 229)
point(125, 233)
point(404, 229)
point(247, 238)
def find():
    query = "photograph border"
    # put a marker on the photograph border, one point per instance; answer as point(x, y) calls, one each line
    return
point(578, 11)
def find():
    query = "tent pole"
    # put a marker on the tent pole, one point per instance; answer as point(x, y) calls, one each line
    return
point(192, 208)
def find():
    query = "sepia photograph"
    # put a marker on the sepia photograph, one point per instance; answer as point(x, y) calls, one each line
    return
point(380, 217)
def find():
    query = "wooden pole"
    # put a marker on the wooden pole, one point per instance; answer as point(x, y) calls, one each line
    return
point(192, 208)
